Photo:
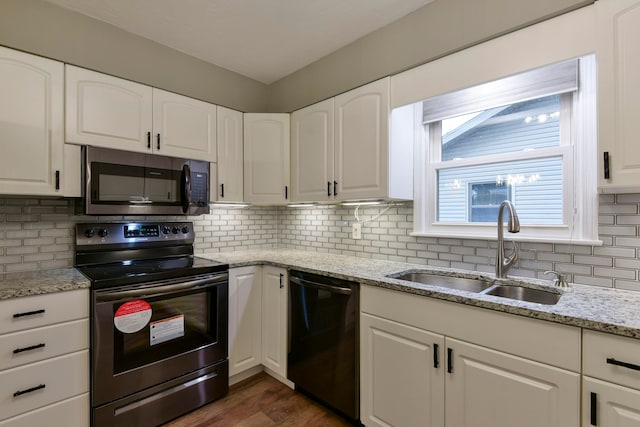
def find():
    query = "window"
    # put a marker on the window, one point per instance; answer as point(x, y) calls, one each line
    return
point(528, 138)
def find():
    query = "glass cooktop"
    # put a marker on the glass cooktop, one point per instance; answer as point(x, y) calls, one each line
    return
point(141, 271)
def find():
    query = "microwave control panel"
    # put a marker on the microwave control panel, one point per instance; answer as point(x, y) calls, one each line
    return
point(199, 190)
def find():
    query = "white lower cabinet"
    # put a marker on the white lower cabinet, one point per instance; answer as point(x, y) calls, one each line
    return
point(611, 382)
point(245, 340)
point(432, 363)
point(402, 375)
point(72, 412)
point(257, 319)
point(606, 404)
point(485, 387)
point(44, 360)
point(274, 319)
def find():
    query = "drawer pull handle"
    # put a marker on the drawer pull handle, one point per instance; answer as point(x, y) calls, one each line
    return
point(436, 357)
point(29, 390)
point(612, 361)
point(594, 409)
point(449, 360)
point(31, 347)
point(28, 313)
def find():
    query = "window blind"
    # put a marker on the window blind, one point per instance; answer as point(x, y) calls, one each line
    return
point(553, 79)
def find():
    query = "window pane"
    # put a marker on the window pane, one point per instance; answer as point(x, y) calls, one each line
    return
point(485, 199)
point(522, 126)
point(534, 186)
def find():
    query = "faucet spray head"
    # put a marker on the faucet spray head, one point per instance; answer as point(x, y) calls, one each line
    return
point(513, 225)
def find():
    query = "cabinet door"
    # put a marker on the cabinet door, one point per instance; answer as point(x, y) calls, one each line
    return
point(230, 156)
point(266, 158)
point(31, 124)
point(490, 388)
point(361, 141)
point(274, 319)
point(401, 374)
point(312, 153)
point(245, 296)
point(618, 55)
point(183, 127)
point(609, 405)
point(106, 111)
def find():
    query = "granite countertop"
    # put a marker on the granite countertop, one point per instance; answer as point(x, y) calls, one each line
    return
point(601, 309)
point(14, 285)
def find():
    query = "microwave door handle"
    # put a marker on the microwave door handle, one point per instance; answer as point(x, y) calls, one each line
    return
point(185, 197)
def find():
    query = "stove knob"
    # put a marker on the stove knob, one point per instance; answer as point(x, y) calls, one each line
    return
point(89, 232)
point(166, 230)
point(185, 230)
point(103, 232)
point(175, 230)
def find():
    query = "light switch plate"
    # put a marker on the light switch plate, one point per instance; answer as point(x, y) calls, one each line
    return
point(356, 230)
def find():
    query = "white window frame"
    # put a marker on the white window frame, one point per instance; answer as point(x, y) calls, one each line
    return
point(579, 165)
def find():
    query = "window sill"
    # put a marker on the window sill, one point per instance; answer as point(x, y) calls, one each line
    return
point(520, 237)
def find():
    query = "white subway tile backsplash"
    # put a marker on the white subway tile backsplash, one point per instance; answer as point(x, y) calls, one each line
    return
point(38, 234)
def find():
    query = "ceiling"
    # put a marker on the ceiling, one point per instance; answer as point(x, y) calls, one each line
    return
point(261, 39)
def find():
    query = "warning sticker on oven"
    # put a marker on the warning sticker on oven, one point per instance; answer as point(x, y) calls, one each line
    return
point(132, 316)
point(167, 329)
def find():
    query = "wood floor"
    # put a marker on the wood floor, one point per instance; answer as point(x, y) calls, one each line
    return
point(260, 401)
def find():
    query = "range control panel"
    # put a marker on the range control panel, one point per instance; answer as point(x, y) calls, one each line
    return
point(89, 234)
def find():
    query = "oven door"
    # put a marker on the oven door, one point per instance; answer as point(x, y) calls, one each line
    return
point(146, 334)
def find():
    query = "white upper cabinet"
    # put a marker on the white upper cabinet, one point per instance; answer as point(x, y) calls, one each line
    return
point(618, 56)
point(312, 153)
point(342, 149)
point(266, 158)
point(106, 111)
point(230, 156)
point(362, 141)
point(31, 124)
point(183, 127)
point(110, 112)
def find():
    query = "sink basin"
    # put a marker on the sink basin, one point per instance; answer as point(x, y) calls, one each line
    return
point(522, 293)
point(460, 283)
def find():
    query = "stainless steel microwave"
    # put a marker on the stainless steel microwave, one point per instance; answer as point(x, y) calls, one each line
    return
point(126, 183)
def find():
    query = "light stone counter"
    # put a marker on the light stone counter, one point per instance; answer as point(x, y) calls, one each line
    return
point(601, 309)
point(14, 285)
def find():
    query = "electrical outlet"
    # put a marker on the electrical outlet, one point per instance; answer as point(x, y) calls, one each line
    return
point(356, 230)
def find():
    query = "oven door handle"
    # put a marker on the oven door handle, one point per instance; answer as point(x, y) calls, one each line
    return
point(323, 286)
point(161, 290)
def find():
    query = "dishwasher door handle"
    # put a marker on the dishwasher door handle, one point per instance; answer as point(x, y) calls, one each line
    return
point(323, 286)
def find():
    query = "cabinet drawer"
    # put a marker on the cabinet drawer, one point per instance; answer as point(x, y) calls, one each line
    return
point(612, 358)
point(42, 383)
point(72, 412)
point(18, 314)
point(33, 345)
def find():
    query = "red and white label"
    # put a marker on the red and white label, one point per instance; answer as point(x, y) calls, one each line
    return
point(132, 316)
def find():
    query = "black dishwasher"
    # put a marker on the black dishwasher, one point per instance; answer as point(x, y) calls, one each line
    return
point(323, 340)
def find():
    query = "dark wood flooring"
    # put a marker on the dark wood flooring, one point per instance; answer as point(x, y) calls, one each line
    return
point(260, 401)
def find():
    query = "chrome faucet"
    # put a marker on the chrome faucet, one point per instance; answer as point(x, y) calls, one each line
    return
point(503, 262)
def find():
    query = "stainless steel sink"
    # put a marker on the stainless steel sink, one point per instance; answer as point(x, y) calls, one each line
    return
point(522, 293)
point(460, 283)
